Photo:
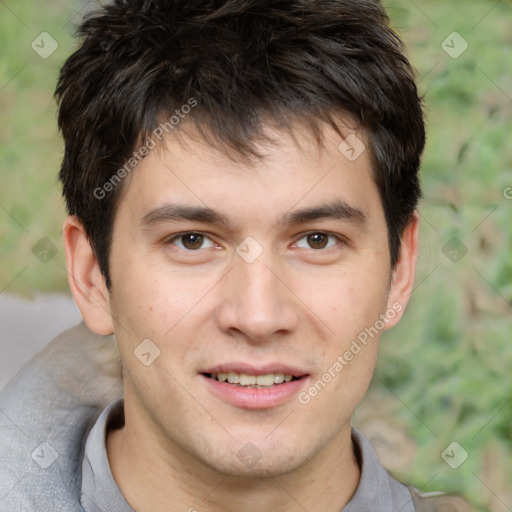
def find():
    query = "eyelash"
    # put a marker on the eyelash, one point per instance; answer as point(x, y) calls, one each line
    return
point(178, 236)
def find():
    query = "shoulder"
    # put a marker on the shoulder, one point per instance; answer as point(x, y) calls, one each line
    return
point(379, 490)
point(439, 502)
point(46, 412)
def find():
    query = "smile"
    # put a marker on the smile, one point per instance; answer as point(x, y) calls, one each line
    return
point(248, 387)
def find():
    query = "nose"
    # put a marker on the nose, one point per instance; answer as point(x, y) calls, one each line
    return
point(256, 302)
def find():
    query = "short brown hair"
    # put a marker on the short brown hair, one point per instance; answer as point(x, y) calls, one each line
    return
point(243, 62)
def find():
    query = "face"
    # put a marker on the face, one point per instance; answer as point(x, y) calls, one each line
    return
point(266, 274)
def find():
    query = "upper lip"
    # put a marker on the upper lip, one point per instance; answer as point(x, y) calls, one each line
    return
point(251, 369)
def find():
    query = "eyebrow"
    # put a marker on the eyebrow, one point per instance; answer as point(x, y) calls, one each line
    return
point(174, 212)
point(338, 210)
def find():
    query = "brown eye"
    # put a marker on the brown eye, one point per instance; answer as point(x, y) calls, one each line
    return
point(192, 241)
point(191, 245)
point(317, 240)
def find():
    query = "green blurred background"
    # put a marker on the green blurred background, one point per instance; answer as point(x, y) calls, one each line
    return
point(445, 372)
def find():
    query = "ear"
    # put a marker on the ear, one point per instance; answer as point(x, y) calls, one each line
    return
point(402, 278)
point(86, 281)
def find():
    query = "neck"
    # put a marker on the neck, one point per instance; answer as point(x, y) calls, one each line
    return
point(152, 478)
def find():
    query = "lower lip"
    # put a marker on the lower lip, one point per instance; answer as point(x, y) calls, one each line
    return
point(255, 398)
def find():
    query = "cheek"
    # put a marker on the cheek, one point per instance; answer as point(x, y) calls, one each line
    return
point(164, 307)
point(347, 301)
point(148, 302)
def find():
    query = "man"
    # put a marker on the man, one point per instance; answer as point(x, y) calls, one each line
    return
point(241, 179)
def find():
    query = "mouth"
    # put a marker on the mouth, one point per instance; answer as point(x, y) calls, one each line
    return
point(249, 387)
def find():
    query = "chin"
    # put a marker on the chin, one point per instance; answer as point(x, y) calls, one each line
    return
point(260, 460)
point(261, 469)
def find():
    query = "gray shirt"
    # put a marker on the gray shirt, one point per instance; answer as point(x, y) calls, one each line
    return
point(377, 490)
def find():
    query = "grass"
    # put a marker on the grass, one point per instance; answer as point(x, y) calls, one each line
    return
point(449, 360)
point(448, 363)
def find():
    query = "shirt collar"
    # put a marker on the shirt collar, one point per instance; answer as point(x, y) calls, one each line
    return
point(100, 492)
point(377, 489)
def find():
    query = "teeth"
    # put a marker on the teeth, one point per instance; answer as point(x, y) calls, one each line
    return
point(278, 378)
point(265, 380)
point(252, 380)
point(247, 380)
point(233, 378)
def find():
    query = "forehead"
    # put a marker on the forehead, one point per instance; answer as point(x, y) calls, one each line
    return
point(294, 169)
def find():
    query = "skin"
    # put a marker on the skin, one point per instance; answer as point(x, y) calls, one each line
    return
point(294, 304)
